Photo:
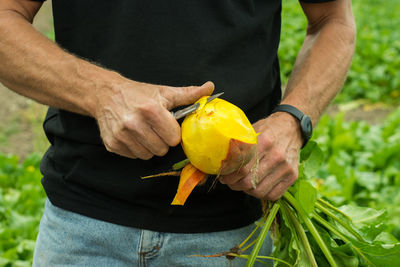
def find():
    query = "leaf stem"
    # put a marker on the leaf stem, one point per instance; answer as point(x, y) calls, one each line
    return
point(311, 228)
point(341, 222)
point(300, 231)
point(263, 234)
point(330, 227)
point(179, 165)
point(329, 205)
point(250, 235)
point(173, 173)
point(261, 257)
point(249, 245)
point(340, 235)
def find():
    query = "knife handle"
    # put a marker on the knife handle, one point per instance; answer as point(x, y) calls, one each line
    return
point(183, 112)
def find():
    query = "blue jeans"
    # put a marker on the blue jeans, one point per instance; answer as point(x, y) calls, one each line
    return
point(69, 239)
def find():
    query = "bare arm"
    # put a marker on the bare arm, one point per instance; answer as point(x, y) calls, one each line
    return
point(324, 59)
point(37, 68)
point(133, 117)
point(318, 75)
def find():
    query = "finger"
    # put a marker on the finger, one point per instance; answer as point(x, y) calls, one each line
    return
point(235, 177)
point(270, 167)
point(280, 188)
point(133, 146)
point(165, 126)
point(283, 173)
point(146, 137)
point(266, 162)
point(179, 96)
point(263, 172)
point(153, 143)
point(288, 178)
point(239, 175)
point(111, 143)
point(118, 141)
point(244, 184)
point(119, 148)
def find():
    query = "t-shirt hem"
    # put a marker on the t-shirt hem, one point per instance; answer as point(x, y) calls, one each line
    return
point(159, 223)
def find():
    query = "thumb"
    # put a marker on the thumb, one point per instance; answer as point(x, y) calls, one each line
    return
point(179, 96)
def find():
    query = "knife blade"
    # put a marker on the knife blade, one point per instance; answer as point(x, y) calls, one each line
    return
point(192, 108)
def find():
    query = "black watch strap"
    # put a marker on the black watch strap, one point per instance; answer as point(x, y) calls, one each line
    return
point(304, 120)
point(289, 109)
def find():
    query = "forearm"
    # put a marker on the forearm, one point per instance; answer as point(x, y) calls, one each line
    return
point(319, 72)
point(133, 117)
point(320, 68)
point(33, 66)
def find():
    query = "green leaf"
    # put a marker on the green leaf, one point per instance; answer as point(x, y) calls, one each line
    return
point(4, 261)
point(379, 254)
point(342, 253)
point(370, 180)
point(306, 195)
point(386, 238)
point(287, 244)
point(369, 223)
point(312, 158)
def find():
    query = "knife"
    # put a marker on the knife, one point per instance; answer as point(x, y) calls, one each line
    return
point(185, 111)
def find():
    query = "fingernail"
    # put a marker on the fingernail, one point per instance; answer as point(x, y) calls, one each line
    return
point(208, 84)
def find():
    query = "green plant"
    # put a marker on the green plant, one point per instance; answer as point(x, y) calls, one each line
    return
point(373, 74)
point(362, 164)
point(309, 231)
point(21, 206)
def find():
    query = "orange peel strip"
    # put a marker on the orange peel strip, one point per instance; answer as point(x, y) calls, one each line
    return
point(190, 177)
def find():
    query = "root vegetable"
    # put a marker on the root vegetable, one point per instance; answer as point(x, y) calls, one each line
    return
point(218, 138)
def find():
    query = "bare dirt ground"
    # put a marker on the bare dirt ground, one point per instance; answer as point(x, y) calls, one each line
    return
point(372, 114)
point(20, 118)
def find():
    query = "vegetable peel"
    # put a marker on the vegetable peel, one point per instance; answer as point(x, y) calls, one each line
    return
point(190, 177)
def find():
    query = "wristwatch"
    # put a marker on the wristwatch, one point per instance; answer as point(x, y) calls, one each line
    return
point(305, 121)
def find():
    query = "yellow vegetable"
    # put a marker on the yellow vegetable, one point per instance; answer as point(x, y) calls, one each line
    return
point(218, 138)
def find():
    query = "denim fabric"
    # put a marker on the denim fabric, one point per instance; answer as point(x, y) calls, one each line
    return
point(69, 239)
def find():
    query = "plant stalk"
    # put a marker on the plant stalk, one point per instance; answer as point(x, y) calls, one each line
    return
point(263, 234)
point(340, 235)
point(261, 257)
point(329, 205)
point(341, 222)
point(249, 245)
point(311, 228)
point(179, 165)
point(300, 231)
point(250, 235)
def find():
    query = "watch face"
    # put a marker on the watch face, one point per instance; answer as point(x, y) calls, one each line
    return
point(306, 127)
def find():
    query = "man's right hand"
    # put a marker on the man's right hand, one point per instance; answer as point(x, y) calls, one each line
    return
point(134, 118)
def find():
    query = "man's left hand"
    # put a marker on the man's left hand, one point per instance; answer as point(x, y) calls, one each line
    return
point(279, 142)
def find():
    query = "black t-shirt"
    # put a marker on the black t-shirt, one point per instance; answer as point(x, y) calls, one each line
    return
point(176, 43)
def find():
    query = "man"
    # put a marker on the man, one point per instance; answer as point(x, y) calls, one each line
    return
point(117, 70)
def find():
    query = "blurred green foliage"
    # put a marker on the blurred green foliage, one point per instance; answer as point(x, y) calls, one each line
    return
point(373, 74)
point(362, 164)
point(21, 206)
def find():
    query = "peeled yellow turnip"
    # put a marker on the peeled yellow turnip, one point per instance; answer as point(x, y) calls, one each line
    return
point(218, 138)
